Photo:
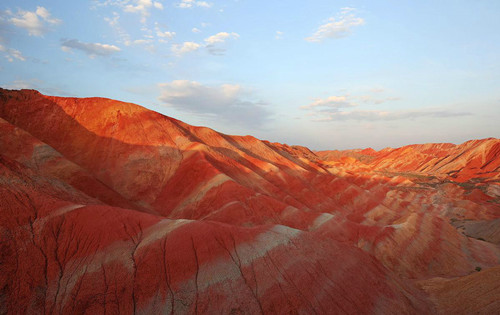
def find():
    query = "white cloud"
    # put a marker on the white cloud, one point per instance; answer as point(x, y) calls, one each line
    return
point(337, 27)
point(91, 49)
point(11, 54)
point(181, 49)
point(220, 37)
point(279, 35)
point(213, 42)
point(203, 4)
point(195, 30)
point(142, 7)
point(35, 22)
point(228, 102)
point(186, 4)
point(165, 34)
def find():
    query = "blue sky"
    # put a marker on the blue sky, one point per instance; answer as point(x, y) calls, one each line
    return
point(324, 74)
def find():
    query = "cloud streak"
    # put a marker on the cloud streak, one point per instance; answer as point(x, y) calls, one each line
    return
point(335, 102)
point(227, 103)
point(91, 49)
point(346, 107)
point(337, 27)
point(377, 115)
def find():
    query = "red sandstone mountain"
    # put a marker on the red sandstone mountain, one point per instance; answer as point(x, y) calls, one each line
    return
point(107, 207)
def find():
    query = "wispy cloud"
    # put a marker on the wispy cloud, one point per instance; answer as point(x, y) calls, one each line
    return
point(22, 84)
point(279, 35)
point(377, 115)
point(150, 36)
point(187, 4)
point(334, 102)
point(373, 96)
point(12, 54)
point(338, 26)
point(91, 49)
point(228, 103)
point(376, 100)
point(37, 22)
point(114, 23)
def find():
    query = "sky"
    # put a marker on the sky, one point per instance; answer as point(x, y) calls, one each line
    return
point(322, 74)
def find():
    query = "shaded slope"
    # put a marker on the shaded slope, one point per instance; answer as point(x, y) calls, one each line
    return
point(80, 258)
point(18, 145)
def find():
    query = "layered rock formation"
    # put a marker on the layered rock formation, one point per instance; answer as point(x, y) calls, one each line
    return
point(107, 207)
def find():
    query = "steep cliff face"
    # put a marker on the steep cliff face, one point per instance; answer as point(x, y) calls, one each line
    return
point(109, 207)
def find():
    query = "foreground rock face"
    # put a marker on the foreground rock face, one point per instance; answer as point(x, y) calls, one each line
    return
point(107, 207)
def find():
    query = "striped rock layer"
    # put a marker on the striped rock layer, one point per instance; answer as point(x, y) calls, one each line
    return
point(109, 208)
